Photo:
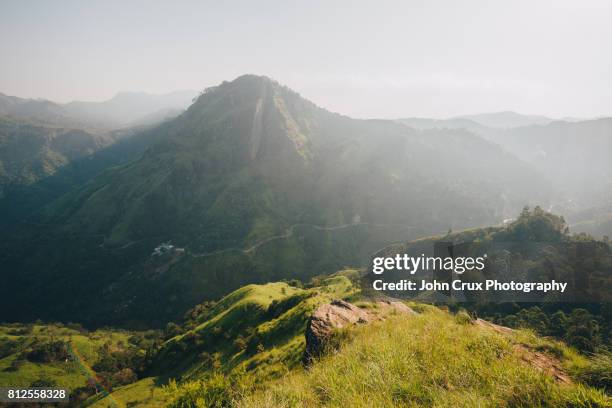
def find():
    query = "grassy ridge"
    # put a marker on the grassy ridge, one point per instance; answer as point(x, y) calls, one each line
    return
point(427, 360)
point(258, 327)
point(246, 349)
point(255, 333)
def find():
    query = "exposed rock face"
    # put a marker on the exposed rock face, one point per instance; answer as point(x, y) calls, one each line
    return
point(340, 314)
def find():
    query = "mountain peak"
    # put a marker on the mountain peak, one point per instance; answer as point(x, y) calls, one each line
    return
point(255, 83)
point(268, 114)
point(254, 77)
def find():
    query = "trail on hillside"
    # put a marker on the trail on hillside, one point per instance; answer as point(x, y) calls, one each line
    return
point(289, 233)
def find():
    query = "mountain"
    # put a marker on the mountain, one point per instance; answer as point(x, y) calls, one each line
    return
point(596, 221)
point(39, 137)
point(251, 184)
point(157, 117)
point(129, 107)
point(455, 123)
point(536, 247)
point(559, 151)
point(507, 119)
point(39, 110)
point(20, 200)
point(124, 109)
point(30, 152)
point(572, 155)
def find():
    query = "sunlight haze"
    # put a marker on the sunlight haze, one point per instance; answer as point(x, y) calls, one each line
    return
point(363, 59)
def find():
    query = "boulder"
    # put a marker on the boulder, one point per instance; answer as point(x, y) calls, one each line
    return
point(340, 314)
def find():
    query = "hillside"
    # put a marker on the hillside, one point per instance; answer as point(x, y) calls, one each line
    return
point(68, 356)
point(246, 349)
point(536, 247)
point(596, 221)
point(127, 108)
point(432, 359)
point(33, 109)
point(560, 151)
point(251, 184)
point(21, 201)
point(30, 151)
point(124, 109)
point(506, 120)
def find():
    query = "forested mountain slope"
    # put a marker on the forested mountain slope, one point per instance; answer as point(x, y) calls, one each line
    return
point(252, 183)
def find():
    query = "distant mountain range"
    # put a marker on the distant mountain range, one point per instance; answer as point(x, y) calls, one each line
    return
point(37, 137)
point(123, 109)
point(131, 107)
point(507, 119)
point(30, 152)
point(493, 120)
point(572, 155)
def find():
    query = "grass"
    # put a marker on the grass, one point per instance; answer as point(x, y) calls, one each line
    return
point(144, 392)
point(432, 359)
point(597, 371)
point(274, 314)
point(425, 360)
point(69, 374)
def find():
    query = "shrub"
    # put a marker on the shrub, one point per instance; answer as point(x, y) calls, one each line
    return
point(8, 347)
point(15, 365)
point(48, 351)
point(240, 343)
point(463, 317)
point(214, 392)
point(124, 376)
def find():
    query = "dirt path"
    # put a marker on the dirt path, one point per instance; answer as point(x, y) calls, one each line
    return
point(289, 233)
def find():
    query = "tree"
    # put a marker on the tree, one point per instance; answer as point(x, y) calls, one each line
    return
point(240, 343)
point(124, 376)
point(172, 330)
point(558, 324)
point(582, 330)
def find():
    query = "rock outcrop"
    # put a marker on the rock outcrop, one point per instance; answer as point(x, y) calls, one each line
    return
point(340, 314)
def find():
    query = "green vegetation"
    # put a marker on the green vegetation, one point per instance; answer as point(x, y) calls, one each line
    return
point(538, 246)
point(69, 356)
point(252, 185)
point(257, 185)
point(245, 350)
point(258, 328)
point(597, 371)
point(143, 393)
point(424, 360)
point(31, 151)
point(578, 328)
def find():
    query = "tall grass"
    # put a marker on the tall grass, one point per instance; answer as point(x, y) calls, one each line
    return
point(597, 371)
point(423, 361)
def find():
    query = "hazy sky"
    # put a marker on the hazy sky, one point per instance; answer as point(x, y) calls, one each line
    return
point(363, 59)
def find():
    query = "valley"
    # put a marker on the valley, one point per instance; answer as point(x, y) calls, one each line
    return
point(198, 178)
